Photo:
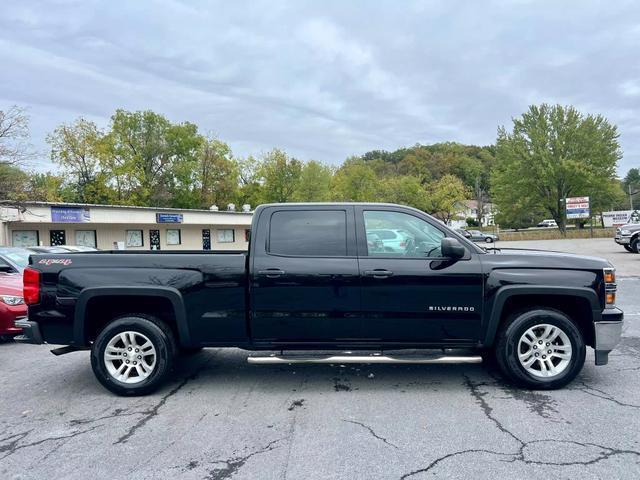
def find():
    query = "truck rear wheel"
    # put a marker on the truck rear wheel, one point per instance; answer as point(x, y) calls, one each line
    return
point(133, 354)
point(540, 348)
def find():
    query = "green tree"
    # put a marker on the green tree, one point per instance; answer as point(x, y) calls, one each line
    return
point(554, 152)
point(445, 196)
point(148, 158)
point(49, 187)
point(631, 185)
point(13, 183)
point(250, 189)
point(355, 182)
point(75, 147)
point(314, 184)
point(405, 190)
point(280, 176)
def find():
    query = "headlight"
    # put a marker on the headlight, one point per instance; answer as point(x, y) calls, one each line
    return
point(625, 232)
point(11, 300)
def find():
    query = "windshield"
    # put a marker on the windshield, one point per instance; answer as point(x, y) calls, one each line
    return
point(18, 256)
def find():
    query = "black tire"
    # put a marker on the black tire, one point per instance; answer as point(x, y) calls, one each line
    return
point(628, 248)
point(506, 348)
point(160, 336)
point(488, 240)
point(635, 245)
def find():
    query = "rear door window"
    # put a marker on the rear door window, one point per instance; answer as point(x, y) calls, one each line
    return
point(308, 233)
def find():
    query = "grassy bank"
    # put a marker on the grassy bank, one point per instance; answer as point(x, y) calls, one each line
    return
point(554, 234)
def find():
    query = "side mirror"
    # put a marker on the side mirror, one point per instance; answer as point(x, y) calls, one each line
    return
point(452, 248)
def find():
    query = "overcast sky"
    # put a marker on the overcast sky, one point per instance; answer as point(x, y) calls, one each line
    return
point(323, 80)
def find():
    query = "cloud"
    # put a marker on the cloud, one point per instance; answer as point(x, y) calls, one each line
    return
point(323, 80)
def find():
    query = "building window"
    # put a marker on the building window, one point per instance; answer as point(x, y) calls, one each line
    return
point(86, 238)
point(226, 236)
point(247, 234)
point(25, 238)
point(134, 238)
point(173, 236)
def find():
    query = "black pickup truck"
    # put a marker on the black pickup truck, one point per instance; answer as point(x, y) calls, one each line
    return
point(317, 285)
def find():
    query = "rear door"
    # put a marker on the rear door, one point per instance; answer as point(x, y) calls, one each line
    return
point(304, 278)
point(411, 293)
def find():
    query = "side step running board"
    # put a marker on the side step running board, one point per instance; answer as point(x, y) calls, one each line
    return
point(438, 359)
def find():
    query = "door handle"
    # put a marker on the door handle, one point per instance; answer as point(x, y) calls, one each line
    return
point(271, 272)
point(378, 273)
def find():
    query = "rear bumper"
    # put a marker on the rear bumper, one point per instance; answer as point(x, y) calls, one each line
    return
point(607, 334)
point(30, 332)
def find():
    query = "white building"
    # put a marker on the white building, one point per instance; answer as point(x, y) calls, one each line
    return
point(469, 209)
point(110, 227)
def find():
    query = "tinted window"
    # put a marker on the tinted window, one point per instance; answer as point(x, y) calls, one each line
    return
point(418, 238)
point(308, 232)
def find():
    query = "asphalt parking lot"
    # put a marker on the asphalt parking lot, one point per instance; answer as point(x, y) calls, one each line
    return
point(221, 418)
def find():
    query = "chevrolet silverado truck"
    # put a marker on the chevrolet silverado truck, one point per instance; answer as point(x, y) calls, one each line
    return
point(629, 237)
point(314, 286)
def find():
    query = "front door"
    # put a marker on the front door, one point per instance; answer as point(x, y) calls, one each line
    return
point(154, 239)
point(410, 293)
point(305, 286)
point(57, 237)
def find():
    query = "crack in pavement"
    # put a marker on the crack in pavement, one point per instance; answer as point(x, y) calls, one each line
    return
point(602, 394)
point(14, 445)
point(236, 463)
point(520, 455)
point(384, 440)
point(118, 412)
point(152, 411)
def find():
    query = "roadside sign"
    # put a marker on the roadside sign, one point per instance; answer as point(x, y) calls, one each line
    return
point(577, 207)
point(620, 217)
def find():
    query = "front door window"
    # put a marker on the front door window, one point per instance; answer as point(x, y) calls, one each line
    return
point(396, 234)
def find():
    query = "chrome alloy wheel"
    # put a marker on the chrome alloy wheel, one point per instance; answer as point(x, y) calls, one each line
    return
point(544, 350)
point(130, 357)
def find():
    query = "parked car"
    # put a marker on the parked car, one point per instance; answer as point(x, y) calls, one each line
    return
point(478, 236)
point(629, 237)
point(14, 259)
point(12, 306)
point(549, 223)
point(316, 286)
point(392, 240)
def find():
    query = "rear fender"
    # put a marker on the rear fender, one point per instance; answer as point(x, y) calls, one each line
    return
point(171, 294)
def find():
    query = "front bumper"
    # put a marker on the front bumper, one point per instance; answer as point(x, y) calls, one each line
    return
point(30, 332)
point(607, 334)
point(620, 240)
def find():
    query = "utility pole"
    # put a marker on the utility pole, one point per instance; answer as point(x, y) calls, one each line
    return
point(630, 197)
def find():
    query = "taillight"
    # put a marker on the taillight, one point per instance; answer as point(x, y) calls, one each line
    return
point(610, 287)
point(31, 290)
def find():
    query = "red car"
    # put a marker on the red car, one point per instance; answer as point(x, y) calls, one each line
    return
point(12, 305)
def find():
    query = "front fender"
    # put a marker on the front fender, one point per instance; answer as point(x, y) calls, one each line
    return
point(504, 293)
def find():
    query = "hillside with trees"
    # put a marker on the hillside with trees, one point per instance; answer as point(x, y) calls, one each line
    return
point(143, 158)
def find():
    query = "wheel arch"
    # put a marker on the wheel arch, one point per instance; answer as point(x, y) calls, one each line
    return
point(579, 303)
point(160, 297)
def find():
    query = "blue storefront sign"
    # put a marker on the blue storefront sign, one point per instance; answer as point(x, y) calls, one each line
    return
point(70, 215)
point(168, 217)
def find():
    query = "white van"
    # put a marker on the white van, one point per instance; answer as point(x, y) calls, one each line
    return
point(548, 223)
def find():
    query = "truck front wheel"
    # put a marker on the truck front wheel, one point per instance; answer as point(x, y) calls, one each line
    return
point(133, 354)
point(540, 348)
